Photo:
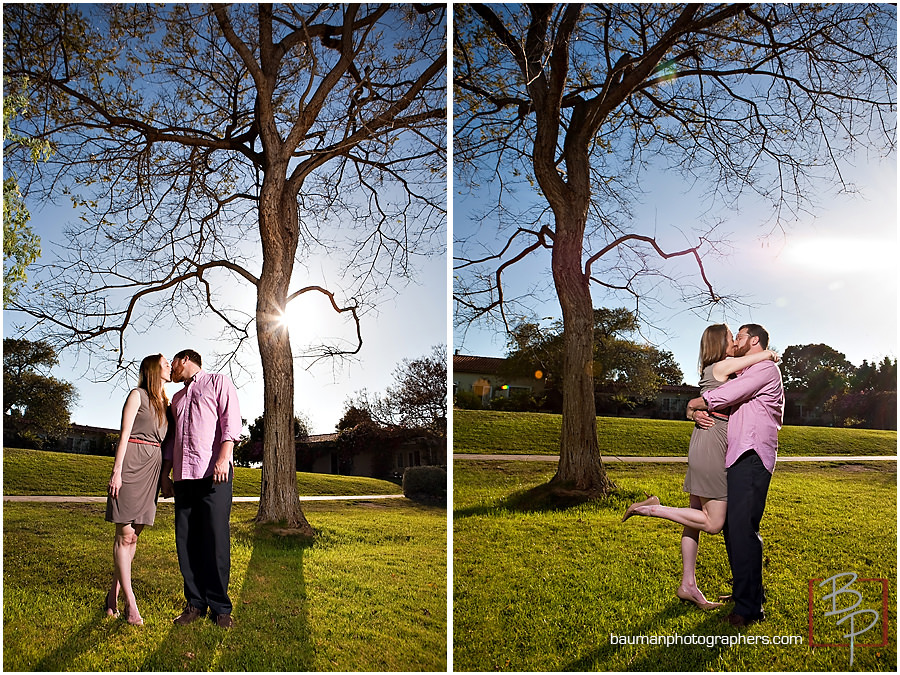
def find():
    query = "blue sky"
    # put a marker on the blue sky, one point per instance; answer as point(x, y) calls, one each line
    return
point(830, 278)
point(405, 325)
point(405, 321)
point(825, 272)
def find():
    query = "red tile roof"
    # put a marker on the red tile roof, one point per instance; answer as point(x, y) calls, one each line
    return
point(476, 364)
point(320, 438)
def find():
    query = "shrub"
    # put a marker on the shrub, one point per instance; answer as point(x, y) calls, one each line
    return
point(108, 445)
point(468, 400)
point(22, 439)
point(425, 483)
point(518, 401)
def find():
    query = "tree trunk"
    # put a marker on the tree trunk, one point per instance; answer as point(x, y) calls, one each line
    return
point(278, 499)
point(579, 452)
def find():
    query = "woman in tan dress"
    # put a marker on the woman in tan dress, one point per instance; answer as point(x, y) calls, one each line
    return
point(706, 478)
point(133, 486)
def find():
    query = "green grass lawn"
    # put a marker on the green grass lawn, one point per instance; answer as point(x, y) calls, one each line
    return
point(546, 590)
point(35, 472)
point(368, 594)
point(493, 432)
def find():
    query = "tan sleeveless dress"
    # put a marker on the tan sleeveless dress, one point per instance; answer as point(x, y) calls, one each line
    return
point(141, 468)
point(706, 475)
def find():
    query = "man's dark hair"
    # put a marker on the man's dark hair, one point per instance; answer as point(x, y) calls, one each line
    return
point(757, 331)
point(192, 356)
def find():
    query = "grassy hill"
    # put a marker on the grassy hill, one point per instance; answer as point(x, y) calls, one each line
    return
point(35, 472)
point(490, 432)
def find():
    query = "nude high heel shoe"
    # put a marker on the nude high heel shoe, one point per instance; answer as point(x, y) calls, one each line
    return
point(702, 604)
point(133, 620)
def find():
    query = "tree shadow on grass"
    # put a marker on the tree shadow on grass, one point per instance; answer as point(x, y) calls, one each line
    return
point(271, 615)
point(552, 498)
point(94, 632)
point(661, 657)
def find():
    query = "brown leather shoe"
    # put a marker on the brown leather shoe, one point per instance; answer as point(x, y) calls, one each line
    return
point(189, 615)
point(739, 621)
point(224, 621)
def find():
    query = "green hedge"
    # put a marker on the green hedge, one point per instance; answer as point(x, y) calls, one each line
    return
point(425, 483)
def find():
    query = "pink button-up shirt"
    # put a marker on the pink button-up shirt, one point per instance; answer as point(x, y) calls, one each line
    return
point(753, 425)
point(206, 414)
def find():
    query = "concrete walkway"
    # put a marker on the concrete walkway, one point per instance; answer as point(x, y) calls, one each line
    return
point(671, 460)
point(102, 500)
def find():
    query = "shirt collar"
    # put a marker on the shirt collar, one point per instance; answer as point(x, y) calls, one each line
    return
point(194, 378)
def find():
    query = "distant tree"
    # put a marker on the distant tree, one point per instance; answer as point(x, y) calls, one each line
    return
point(871, 398)
point(817, 372)
point(620, 366)
point(875, 377)
point(531, 348)
point(419, 394)
point(416, 400)
point(887, 375)
point(353, 416)
point(371, 405)
point(249, 449)
point(21, 246)
point(35, 404)
point(865, 376)
point(801, 364)
point(667, 368)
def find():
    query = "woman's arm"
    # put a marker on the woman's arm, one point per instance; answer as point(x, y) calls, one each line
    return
point(129, 412)
point(167, 487)
point(726, 367)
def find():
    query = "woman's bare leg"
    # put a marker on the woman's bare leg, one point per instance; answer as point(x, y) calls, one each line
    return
point(112, 596)
point(710, 517)
point(690, 544)
point(123, 555)
point(706, 515)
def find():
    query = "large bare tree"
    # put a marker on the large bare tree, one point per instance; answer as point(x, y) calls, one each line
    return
point(577, 99)
point(215, 146)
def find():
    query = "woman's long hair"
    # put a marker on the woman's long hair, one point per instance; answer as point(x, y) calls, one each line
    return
point(151, 382)
point(713, 345)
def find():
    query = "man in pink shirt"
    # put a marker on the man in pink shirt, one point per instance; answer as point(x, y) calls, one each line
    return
point(756, 400)
point(207, 422)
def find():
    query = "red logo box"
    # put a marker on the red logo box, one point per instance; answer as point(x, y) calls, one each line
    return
point(884, 616)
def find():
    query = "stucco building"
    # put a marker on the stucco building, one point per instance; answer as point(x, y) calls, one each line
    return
point(481, 375)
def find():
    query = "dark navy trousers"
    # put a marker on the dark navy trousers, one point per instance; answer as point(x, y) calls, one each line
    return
point(748, 486)
point(203, 541)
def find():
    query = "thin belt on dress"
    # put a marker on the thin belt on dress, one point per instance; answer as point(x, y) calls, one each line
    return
point(140, 442)
point(718, 415)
